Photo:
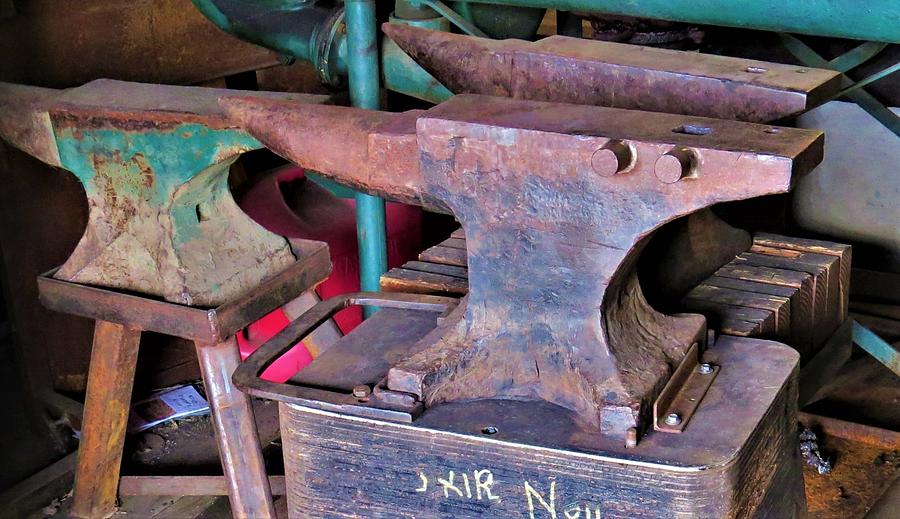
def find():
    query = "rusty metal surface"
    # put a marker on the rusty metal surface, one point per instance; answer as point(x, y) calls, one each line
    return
point(200, 324)
point(236, 432)
point(154, 162)
point(576, 70)
point(866, 462)
point(536, 202)
point(247, 375)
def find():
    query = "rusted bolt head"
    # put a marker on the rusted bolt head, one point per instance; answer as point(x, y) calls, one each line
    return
point(673, 419)
point(675, 165)
point(613, 158)
point(362, 391)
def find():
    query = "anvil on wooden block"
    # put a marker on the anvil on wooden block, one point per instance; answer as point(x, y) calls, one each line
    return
point(554, 345)
point(154, 164)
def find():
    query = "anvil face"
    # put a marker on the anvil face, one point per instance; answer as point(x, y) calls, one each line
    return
point(154, 163)
point(556, 201)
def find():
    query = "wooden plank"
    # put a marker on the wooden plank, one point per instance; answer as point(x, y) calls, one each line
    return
point(779, 306)
point(459, 233)
point(39, 489)
point(445, 255)
point(824, 310)
point(843, 252)
point(801, 310)
point(454, 243)
point(437, 268)
point(185, 485)
point(799, 281)
point(403, 280)
point(831, 278)
point(106, 406)
point(734, 320)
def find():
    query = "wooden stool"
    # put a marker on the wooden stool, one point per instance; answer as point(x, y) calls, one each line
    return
point(120, 319)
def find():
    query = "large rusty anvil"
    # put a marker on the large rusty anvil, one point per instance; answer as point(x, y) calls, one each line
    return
point(154, 164)
point(556, 201)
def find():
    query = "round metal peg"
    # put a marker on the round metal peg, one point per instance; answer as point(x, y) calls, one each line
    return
point(613, 158)
point(675, 165)
point(673, 419)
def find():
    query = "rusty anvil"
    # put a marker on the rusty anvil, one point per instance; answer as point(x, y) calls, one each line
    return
point(557, 201)
point(154, 163)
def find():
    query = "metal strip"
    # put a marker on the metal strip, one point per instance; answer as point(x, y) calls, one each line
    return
point(883, 351)
point(677, 401)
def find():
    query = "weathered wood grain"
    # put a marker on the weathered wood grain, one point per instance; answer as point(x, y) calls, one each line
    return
point(743, 463)
point(779, 306)
point(404, 280)
point(108, 399)
point(445, 255)
point(801, 311)
point(842, 251)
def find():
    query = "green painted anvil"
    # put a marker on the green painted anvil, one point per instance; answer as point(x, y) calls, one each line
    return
point(154, 164)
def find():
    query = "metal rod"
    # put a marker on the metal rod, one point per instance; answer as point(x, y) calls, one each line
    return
point(883, 351)
point(362, 58)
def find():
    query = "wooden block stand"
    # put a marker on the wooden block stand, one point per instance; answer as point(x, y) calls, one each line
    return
point(120, 318)
point(737, 457)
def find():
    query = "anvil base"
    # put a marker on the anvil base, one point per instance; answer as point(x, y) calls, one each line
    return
point(738, 456)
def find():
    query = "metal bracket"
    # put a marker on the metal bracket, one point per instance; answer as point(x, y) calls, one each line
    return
point(682, 394)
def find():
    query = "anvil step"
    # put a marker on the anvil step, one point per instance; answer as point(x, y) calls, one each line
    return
point(154, 164)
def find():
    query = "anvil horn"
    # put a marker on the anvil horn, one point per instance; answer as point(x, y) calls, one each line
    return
point(581, 71)
point(25, 121)
point(370, 151)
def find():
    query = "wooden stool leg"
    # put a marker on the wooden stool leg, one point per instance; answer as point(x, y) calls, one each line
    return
point(239, 449)
point(110, 380)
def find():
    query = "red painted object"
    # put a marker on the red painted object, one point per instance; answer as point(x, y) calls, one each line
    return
point(289, 204)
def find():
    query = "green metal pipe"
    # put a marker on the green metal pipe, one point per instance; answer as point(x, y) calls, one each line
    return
point(297, 28)
point(872, 20)
point(362, 61)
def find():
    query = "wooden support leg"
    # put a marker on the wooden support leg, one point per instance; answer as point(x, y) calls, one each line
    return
point(239, 449)
point(110, 379)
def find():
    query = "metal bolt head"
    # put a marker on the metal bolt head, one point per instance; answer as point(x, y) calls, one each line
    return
point(705, 368)
point(362, 391)
point(673, 419)
point(675, 165)
point(490, 429)
point(613, 158)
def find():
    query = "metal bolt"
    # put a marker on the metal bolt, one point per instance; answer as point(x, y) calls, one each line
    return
point(675, 165)
point(362, 391)
point(631, 438)
point(705, 368)
point(673, 419)
point(613, 158)
point(490, 429)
